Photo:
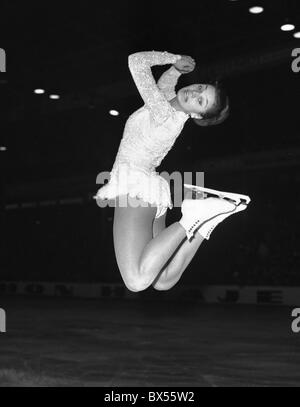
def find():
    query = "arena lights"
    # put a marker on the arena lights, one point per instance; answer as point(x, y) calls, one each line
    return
point(287, 27)
point(54, 97)
point(114, 113)
point(3, 148)
point(39, 91)
point(256, 10)
point(297, 34)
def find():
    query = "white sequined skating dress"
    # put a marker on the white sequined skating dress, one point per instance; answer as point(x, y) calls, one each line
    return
point(149, 134)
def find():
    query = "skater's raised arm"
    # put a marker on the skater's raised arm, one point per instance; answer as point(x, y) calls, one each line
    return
point(140, 65)
point(169, 78)
point(168, 81)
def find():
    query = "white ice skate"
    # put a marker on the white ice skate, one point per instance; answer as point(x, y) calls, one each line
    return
point(237, 198)
point(207, 228)
point(196, 213)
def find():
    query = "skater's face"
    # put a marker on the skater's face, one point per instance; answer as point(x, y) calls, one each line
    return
point(197, 99)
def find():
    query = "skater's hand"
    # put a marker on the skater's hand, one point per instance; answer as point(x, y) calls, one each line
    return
point(185, 65)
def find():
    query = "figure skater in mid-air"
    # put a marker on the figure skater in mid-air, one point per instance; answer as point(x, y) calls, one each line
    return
point(147, 252)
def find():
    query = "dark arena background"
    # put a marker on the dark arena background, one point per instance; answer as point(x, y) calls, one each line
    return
point(66, 317)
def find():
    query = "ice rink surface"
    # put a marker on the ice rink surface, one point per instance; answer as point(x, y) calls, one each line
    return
point(115, 342)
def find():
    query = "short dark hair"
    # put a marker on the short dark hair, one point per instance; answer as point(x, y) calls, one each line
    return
point(219, 111)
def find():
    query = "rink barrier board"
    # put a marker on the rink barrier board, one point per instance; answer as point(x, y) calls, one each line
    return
point(212, 294)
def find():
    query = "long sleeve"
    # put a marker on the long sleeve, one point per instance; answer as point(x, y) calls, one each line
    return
point(168, 81)
point(140, 67)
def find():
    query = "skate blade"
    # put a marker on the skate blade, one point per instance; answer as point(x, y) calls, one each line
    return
point(237, 198)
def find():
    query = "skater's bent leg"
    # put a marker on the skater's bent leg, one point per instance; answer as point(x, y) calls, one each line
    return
point(178, 263)
point(172, 273)
point(141, 257)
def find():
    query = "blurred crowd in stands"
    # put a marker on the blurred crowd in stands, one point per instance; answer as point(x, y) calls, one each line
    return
point(270, 252)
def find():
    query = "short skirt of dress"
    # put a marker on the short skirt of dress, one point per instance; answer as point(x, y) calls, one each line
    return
point(137, 183)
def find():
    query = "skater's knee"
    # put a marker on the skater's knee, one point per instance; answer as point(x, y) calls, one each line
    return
point(165, 282)
point(136, 285)
point(161, 286)
point(138, 277)
point(134, 282)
